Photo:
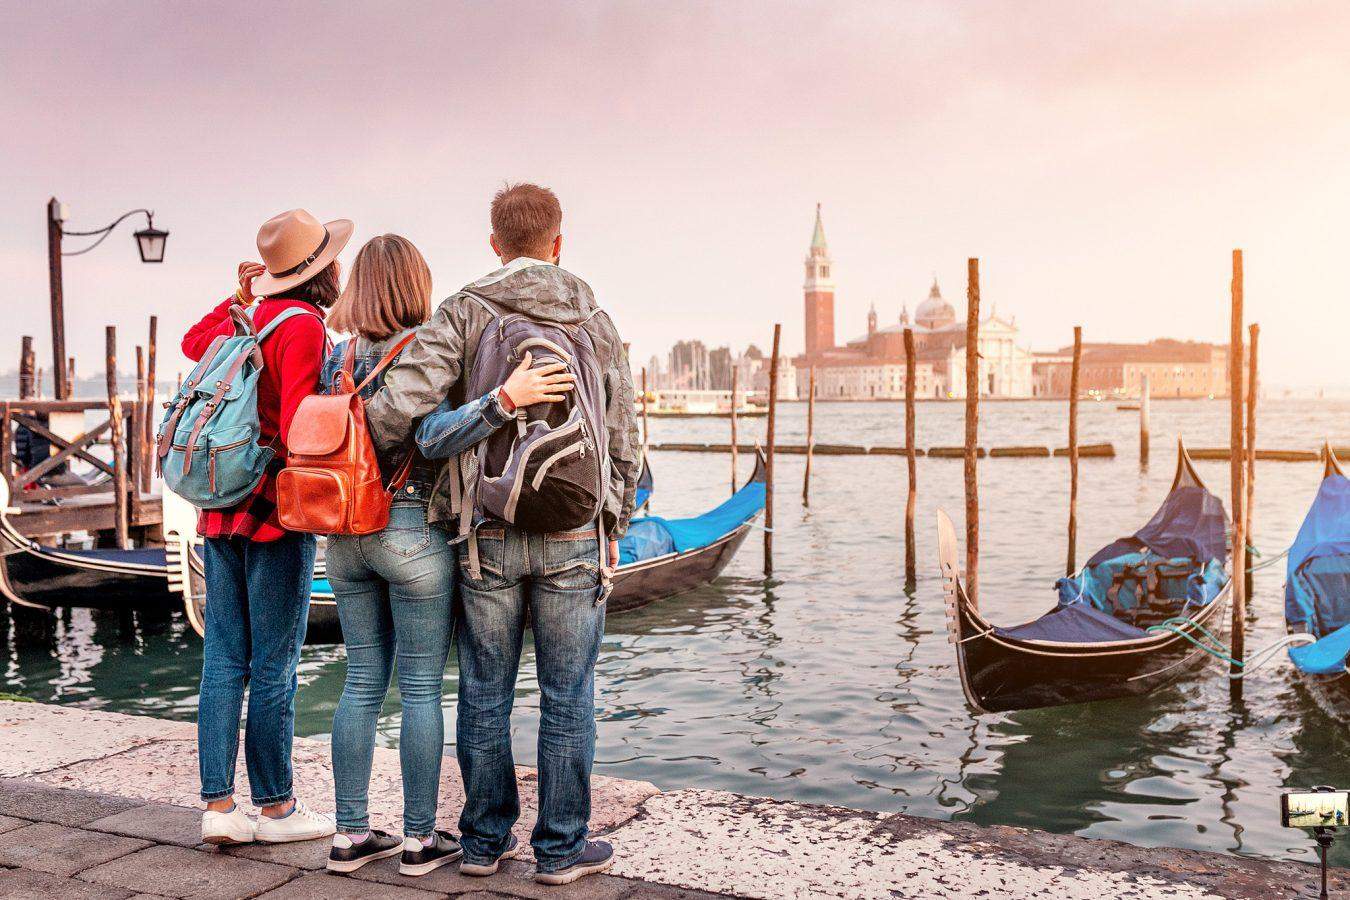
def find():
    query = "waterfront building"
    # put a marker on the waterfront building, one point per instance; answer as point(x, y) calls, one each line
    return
point(872, 366)
point(1116, 370)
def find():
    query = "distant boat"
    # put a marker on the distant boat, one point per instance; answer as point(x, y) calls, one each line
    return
point(1317, 591)
point(680, 403)
point(1094, 644)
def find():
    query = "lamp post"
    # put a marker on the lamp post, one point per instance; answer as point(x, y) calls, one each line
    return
point(150, 243)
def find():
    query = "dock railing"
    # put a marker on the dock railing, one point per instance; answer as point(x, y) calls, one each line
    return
point(50, 505)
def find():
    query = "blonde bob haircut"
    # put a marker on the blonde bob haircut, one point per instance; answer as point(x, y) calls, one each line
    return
point(389, 289)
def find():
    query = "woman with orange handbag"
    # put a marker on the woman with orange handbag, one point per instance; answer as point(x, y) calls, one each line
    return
point(395, 588)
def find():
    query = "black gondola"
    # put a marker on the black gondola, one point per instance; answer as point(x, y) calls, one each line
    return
point(1317, 592)
point(636, 584)
point(1078, 652)
point(46, 576)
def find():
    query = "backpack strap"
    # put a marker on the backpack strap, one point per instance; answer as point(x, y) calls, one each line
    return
point(383, 363)
point(209, 410)
point(181, 401)
point(483, 302)
point(285, 314)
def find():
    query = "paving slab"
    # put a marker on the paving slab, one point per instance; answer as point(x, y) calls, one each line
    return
point(24, 884)
point(28, 799)
point(726, 843)
point(38, 737)
point(9, 823)
point(324, 887)
point(307, 855)
point(1222, 874)
point(58, 850)
point(178, 872)
point(158, 822)
point(513, 879)
point(165, 771)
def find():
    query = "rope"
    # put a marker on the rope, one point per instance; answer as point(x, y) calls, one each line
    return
point(1254, 662)
point(1270, 562)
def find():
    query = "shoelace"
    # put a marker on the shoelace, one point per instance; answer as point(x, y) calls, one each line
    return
point(301, 808)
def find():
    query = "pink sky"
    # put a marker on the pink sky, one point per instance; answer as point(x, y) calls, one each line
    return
point(1101, 163)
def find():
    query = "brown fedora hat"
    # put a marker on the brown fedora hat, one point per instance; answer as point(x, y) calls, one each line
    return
point(295, 247)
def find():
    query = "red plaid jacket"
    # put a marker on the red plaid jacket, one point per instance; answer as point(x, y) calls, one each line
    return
point(292, 357)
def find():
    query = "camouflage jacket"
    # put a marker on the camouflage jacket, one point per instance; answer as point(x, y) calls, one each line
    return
point(434, 365)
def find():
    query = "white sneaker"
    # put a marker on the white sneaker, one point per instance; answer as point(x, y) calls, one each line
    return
point(301, 824)
point(222, 828)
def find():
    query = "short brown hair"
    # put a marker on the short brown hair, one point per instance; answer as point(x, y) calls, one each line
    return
point(322, 290)
point(525, 219)
point(388, 290)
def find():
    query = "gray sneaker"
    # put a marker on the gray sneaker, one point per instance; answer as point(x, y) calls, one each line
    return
point(596, 858)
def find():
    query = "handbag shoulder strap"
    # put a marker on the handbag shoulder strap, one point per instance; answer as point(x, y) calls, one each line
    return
point(383, 363)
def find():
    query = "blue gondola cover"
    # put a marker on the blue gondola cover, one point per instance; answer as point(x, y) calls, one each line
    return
point(1074, 624)
point(1317, 587)
point(690, 534)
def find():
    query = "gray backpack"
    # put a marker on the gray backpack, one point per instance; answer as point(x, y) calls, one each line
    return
point(549, 470)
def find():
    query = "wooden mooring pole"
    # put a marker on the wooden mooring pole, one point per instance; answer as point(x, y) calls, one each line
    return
point(27, 368)
point(1254, 335)
point(119, 443)
point(810, 436)
point(972, 430)
point(769, 440)
point(1070, 563)
point(1144, 392)
point(137, 439)
point(645, 424)
point(56, 290)
point(911, 496)
point(149, 418)
point(1236, 384)
point(735, 378)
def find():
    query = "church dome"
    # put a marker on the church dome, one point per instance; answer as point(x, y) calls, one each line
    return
point(934, 312)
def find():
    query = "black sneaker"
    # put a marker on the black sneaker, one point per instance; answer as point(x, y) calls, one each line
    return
point(597, 857)
point(482, 870)
point(419, 859)
point(353, 856)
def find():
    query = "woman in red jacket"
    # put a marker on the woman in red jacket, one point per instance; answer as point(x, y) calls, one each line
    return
point(258, 574)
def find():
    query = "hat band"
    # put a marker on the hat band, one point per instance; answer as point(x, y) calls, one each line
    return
point(307, 261)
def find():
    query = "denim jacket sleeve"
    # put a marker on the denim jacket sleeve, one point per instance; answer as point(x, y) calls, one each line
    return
point(331, 366)
point(447, 431)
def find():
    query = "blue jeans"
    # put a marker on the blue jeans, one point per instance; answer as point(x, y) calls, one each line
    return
point(394, 592)
point(554, 578)
point(257, 607)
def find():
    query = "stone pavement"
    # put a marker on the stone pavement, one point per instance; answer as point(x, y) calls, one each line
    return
point(103, 805)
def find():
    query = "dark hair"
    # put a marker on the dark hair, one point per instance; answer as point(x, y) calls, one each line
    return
point(526, 218)
point(322, 290)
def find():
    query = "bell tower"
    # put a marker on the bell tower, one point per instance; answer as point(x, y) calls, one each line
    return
point(819, 293)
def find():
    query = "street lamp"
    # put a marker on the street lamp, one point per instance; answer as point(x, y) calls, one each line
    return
point(150, 243)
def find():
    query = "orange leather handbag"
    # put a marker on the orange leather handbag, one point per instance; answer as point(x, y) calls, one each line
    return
point(332, 482)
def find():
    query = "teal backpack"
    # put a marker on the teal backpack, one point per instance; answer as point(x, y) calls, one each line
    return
point(207, 445)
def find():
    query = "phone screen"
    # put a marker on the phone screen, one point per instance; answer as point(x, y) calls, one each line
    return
point(1312, 809)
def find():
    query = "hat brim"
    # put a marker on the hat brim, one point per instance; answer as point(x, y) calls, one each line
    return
point(339, 233)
